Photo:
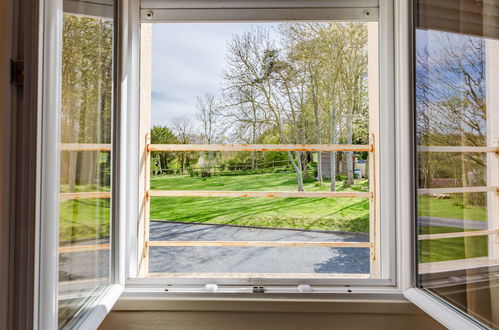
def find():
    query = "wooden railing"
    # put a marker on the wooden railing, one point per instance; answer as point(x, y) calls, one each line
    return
point(492, 232)
point(258, 194)
point(282, 194)
point(204, 193)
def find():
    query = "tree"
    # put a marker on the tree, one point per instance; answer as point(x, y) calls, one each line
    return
point(451, 108)
point(86, 95)
point(163, 135)
point(254, 61)
point(209, 110)
point(314, 73)
point(184, 131)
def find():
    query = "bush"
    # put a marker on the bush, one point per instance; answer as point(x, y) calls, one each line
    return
point(193, 173)
point(341, 177)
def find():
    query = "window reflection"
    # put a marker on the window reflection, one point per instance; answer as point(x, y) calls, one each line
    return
point(457, 135)
point(85, 178)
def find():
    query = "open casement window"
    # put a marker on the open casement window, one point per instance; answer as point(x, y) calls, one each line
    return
point(104, 167)
point(262, 157)
point(79, 274)
point(457, 161)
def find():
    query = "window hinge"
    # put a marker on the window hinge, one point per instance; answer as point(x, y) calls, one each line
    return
point(17, 72)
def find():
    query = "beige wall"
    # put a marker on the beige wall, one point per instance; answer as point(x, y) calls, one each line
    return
point(267, 315)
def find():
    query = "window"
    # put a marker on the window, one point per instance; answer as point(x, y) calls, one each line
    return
point(243, 119)
point(457, 137)
point(86, 171)
point(263, 152)
point(78, 265)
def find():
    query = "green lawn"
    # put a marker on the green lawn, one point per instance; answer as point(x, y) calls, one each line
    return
point(450, 248)
point(449, 208)
point(255, 182)
point(90, 217)
point(84, 219)
point(348, 214)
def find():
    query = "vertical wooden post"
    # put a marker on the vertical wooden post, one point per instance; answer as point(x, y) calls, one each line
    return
point(492, 111)
point(373, 92)
point(145, 129)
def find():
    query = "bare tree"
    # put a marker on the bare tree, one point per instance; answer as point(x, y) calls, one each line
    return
point(209, 115)
point(183, 129)
point(254, 60)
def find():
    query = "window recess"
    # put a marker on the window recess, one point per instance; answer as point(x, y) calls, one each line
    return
point(233, 12)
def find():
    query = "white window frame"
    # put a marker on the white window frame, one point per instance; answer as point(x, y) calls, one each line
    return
point(396, 97)
point(237, 10)
point(437, 308)
point(48, 137)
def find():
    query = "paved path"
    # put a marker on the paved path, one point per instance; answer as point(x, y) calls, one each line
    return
point(85, 265)
point(253, 260)
point(454, 223)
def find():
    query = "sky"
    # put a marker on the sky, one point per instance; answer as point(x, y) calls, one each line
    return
point(188, 60)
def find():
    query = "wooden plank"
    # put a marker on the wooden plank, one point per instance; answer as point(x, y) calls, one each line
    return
point(259, 244)
point(85, 195)
point(452, 265)
point(456, 149)
point(457, 234)
point(373, 168)
point(258, 275)
point(145, 160)
point(259, 147)
point(456, 190)
point(85, 147)
point(282, 194)
point(84, 248)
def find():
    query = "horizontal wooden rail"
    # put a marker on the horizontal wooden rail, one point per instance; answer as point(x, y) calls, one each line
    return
point(456, 149)
point(259, 147)
point(85, 147)
point(283, 194)
point(456, 190)
point(457, 234)
point(84, 195)
point(259, 244)
point(453, 265)
point(84, 248)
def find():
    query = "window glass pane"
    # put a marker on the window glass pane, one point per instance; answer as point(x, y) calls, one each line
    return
point(457, 127)
point(240, 200)
point(85, 178)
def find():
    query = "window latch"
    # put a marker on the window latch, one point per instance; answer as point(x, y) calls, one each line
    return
point(304, 288)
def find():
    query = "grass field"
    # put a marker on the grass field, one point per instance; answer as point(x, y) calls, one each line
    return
point(449, 208)
point(450, 248)
point(349, 214)
point(89, 218)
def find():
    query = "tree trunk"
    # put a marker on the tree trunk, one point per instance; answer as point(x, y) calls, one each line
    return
point(210, 156)
point(73, 157)
point(349, 154)
point(184, 156)
point(332, 154)
point(303, 163)
point(298, 170)
point(318, 137)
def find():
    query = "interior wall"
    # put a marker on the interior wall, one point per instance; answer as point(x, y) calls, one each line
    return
point(18, 142)
point(267, 315)
point(6, 13)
